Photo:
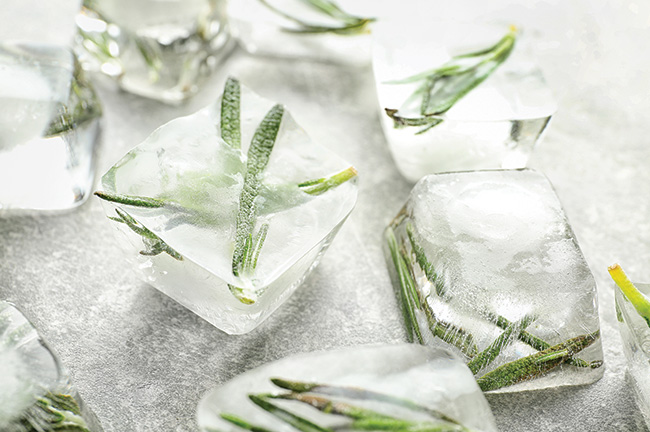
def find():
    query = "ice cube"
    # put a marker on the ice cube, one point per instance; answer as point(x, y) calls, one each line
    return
point(49, 122)
point(273, 28)
point(486, 262)
point(495, 125)
point(635, 332)
point(219, 231)
point(34, 389)
point(405, 384)
point(159, 49)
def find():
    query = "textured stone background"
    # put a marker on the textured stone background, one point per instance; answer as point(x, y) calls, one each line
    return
point(142, 362)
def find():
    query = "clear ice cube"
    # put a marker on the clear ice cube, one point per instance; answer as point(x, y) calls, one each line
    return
point(486, 262)
point(35, 391)
point(495, 125)
point(190, 167)
point(265, 30)
point(159, 49)
point(49, 124)
point(635, 332)
point(409, 383)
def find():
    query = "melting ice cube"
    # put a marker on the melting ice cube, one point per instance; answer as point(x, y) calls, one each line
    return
point(487, 263)
point(419, 388)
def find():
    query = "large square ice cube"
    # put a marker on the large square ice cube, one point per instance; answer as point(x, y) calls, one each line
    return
point(227, 210)
point(49, 123)
point(35, 392)
point(466, 124)
point(159, 49)
point(486, 262)
point(384, 387)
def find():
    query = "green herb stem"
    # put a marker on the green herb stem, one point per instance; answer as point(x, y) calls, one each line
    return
point(131, 200)
point(324, 184)
point(298, 422)
point(243, 423)
point(231, 113)
point(535, 365)
point(487, 356)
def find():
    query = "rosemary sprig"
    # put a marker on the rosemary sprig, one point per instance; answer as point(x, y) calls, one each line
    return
point(315, 396)
point(442, 87)
point(631, 292)
point(535, 365)
point(154, 245)
point(52, 411)
point(357, 393)
point(347, 24)
point(81, 107)
point(411, 300)
point(487, 356)
point(501, 321)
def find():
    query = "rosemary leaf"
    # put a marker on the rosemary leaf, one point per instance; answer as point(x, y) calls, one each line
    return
point(322, 185)
point(52, 411)
point(231, 113)
point(154, 245)
point(631, 292)
point(258, 157)
point(487, 356)
point(407, 288)
point(331, 407)
point(243, 423)
point(300, 423)
point(132, 200)
point(535, 365)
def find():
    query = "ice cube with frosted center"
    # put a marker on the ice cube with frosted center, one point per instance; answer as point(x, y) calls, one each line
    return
point(492, 125)
point(388, 384)
point(486, 262)
point(34, 388)
point(235, 226)
point(49, 123)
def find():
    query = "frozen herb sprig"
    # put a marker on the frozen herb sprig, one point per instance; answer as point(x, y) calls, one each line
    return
point(347, 24)
point(499, 320)
point(442, 87)
point(631, 292)
point(535, 365)
point(54, 411)
point(317, 396)
point(411, 300)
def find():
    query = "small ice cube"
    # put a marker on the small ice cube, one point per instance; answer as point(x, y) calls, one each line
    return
point(234, 227)
point(34, 389)
point(486, 262)
point(494, 125)
point(375, 385)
